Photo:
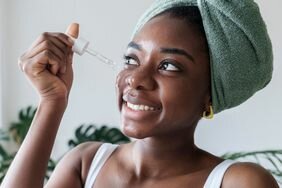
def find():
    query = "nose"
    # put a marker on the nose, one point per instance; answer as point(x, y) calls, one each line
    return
point(141, 80)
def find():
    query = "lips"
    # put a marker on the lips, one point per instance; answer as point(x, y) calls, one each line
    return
point(140, 107)
point(135, 101)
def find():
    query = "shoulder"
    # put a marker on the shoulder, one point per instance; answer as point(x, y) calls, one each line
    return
point(81, 155)
point(247, 175)
point(84, 154)
point(74, 166)
point(86, 148)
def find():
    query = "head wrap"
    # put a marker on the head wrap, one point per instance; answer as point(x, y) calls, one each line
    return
point(239, 46)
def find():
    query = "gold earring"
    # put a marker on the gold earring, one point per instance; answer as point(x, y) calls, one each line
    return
point(210, 114)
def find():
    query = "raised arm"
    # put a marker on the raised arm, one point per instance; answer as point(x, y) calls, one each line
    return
point(48, 66)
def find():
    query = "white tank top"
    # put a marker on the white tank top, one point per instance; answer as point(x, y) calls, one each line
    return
point(213, 181)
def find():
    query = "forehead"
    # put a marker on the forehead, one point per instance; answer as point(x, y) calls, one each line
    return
point(166, 31)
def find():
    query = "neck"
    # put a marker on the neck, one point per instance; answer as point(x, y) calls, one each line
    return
point(165, 156)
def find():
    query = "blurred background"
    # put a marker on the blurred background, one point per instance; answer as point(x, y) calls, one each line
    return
point(254, 125)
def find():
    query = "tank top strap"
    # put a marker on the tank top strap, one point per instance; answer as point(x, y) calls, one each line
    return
point(101, 156)
point(216, 176)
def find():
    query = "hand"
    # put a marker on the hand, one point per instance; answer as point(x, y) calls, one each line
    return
point(48, 64)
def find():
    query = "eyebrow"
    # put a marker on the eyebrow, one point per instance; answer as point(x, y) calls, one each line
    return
point(178, 52)
point(164, 50)
point(134, 45)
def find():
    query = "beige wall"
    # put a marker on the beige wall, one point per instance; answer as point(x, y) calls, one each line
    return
point(2, 54)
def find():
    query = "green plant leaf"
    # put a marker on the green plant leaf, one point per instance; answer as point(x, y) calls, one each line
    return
point(5, 163)
point(50, 168)
point(4, 135)
point(19, 129)
point(90, 132)
point(274, 157)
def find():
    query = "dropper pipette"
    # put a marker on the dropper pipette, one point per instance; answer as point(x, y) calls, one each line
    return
point(100, 57)
point(81, 46)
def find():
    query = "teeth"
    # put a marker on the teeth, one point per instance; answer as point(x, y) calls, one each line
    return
point(140, 107)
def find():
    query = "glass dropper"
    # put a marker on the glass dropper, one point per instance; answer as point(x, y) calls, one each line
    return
point(81, 46)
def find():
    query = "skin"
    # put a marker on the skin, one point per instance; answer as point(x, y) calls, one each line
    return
point(175, 84)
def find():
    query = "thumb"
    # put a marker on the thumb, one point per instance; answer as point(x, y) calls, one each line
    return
point(73, 30)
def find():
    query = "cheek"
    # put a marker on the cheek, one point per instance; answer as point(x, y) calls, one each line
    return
point(119, 86)
point(182, 98)
point(120, 81)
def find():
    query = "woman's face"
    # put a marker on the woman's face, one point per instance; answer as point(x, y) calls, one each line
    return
point(164, 86)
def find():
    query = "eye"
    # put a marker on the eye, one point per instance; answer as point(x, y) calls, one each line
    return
point(130, 61)
point(169, 66)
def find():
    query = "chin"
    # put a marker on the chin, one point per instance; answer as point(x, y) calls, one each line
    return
point(133, 132)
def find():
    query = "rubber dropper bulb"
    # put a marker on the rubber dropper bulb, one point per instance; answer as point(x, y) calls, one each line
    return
point(73, 30)
point(80, 44)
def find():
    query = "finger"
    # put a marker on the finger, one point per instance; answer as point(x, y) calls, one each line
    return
point(68, 60)
point(46, 60)
point(63, 38)
point(60, 44)
point(65, 67)
point(54, 66)
point(68, 64)
point(47, 45)
point(64, 49)
point(47, 35)
point(39, 39)
point(70, 56)
point(53, 62)
point(61, 53)
point(21, 59)
point(67, 40)
point(34, 66)
point(67, 77)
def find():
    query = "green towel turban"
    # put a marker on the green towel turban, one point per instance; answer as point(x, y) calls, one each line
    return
point(240, 49)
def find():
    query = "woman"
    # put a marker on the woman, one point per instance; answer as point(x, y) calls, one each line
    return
point(177, 70)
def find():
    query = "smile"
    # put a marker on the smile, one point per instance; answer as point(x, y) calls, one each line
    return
point(140, 107)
